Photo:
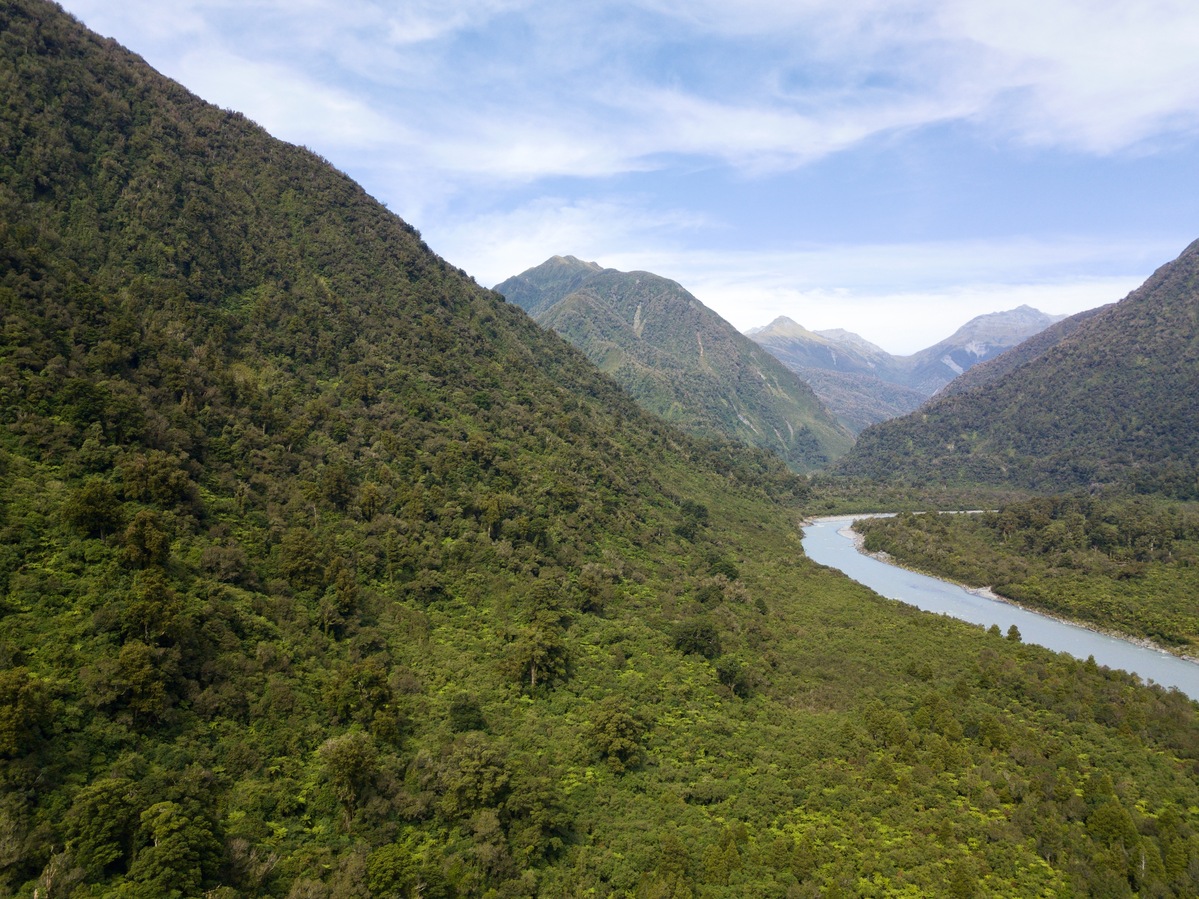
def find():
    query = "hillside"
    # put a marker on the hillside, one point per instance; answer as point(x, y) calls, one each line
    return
point(679, 359)
point(862, 384)
point(1113, 399)
point(326, 572)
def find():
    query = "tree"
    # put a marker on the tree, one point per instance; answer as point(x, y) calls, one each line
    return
point(351, 763)
point(299, 559)
point(24, 711)
point(93, 508)
point(473, 776)
point(182, 853)
point(617, 733)
point(146, 540)
point(465, 715)
point(539, 655)
point(697, 636)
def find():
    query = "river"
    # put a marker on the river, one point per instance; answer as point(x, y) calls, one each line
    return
point(829, 542)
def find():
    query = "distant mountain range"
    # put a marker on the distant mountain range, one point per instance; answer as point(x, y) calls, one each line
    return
point(863, 384)
point(680, 359)
point(1109, 395)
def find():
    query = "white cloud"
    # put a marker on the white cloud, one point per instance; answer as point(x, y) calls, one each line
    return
point(1096, 76)
point(493, 247)
point(596, 91)
point(291, 106)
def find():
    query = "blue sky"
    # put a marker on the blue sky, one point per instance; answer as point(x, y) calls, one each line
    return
point(893, 167)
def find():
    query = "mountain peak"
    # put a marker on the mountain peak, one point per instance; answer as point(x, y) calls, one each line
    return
point(678, 358)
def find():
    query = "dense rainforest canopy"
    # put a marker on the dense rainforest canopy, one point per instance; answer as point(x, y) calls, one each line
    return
point(326, 572)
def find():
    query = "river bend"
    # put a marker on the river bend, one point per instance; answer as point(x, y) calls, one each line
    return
point(830, 542)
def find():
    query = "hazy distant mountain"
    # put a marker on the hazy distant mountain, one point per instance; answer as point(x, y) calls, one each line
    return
point(863, 384)
point(1011, 359)
point(837, 350)
point(980, 339)
point(680, 359)
point(1112, 396)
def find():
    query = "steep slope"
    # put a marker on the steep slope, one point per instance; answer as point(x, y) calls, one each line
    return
point(325, 572)
point(680, 359)
point(1115, 400)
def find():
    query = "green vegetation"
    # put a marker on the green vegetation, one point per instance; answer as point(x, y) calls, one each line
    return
point(1124, 564)
point(1112, 400)
point(325, 572)
point(679, 359)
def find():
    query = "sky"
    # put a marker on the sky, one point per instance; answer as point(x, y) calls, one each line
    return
point(891, 167)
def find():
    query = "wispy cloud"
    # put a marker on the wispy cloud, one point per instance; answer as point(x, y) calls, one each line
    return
point(594, 94)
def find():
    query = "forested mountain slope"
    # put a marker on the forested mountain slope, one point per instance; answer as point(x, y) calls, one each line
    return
point(680, 359)
point(1117, 400)
point(325, 572)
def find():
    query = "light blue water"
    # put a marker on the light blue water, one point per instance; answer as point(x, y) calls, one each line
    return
point(828, 542)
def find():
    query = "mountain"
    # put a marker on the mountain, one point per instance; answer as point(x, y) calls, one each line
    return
point(863, 384)
point(1110, 396)
point(837, 350)
point(540, 287)
point(679, 359)
point(326, 572)
point(980, 339)
point(857, 381)
point(1018, 355)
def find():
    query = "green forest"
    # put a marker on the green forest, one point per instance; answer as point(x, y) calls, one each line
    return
point(1128, 564)
point(326, 572)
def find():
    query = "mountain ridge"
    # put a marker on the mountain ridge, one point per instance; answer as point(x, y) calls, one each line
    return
point(864, 384)
point(1109, 397)
point(678, 358)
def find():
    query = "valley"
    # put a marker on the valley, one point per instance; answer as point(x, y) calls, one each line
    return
point(837, 542)
point(862, 384)
point(327, 571)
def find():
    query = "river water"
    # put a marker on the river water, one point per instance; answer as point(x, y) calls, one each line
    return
point(829, 542)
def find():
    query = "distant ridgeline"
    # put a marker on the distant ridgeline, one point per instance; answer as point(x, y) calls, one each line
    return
point(1107, 396)
point(679, 359)
point(326, 572)
point(863, 384)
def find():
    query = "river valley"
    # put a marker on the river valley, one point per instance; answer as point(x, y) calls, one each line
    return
point(829, 541)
